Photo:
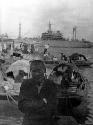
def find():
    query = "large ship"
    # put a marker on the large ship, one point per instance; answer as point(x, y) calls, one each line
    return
point(50, 35)
point(56, 39)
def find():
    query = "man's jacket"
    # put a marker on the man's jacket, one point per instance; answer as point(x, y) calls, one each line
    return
point(38, 106)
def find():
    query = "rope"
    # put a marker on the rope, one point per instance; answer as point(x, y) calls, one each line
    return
point(15, 102)
point(9, 96)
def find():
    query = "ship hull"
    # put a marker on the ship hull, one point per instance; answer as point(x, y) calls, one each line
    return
point(67, 44)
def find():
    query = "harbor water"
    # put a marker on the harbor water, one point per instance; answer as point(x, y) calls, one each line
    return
point(9, 113)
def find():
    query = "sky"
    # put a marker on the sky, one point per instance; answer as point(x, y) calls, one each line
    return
point(34, 16)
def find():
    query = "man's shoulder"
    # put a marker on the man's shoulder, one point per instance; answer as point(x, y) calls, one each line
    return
point(51, 86)
point(50, 82)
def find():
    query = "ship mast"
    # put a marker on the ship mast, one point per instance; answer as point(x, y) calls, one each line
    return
point(19, 31)
point(49, 27)
point(74, 32)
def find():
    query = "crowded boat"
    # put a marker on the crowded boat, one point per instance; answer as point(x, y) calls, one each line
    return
point(72, 86)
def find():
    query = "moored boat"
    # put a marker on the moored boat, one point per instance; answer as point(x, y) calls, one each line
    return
point(80, 60)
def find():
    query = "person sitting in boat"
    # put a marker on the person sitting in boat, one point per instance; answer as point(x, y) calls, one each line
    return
point(63, 75)
point(63, 57)
point(32, 49)
point(37, 97)
point(66, 77)
point(66, 81)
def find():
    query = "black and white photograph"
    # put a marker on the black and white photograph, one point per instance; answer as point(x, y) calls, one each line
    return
point(46, 62)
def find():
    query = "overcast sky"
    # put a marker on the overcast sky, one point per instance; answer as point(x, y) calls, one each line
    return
point(34, 16)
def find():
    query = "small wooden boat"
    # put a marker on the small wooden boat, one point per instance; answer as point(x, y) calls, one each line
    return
point(80, 60)
point(72, 91)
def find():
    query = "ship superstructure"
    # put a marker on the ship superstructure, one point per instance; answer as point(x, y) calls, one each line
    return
point(51, 35)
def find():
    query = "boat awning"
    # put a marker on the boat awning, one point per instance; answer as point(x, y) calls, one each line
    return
point(23, 65)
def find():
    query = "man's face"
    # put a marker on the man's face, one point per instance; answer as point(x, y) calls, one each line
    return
point(37, 73)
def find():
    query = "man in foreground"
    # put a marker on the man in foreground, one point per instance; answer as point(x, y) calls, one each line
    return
point(37, 97)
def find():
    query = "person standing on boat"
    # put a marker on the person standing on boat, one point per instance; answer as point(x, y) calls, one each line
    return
point(32, 48)
point(63, 57)
point(46, 54)
point(46, 48)
point(37, 97)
